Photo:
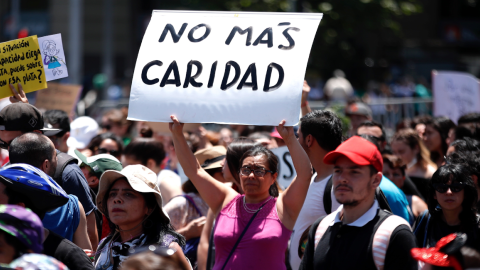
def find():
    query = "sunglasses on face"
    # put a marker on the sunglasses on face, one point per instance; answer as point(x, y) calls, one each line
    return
point(4, 144)
point(454, 187)
point(106, 151)
point(259, 172)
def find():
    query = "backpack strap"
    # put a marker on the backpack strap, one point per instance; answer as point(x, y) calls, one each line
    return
point(381, 238)
point(327, 196)
point(323, 226)
point(63, 160)
point(382, 200)
point(192, 202)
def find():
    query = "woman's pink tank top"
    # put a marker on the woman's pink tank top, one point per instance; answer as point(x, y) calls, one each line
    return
point(264, 244)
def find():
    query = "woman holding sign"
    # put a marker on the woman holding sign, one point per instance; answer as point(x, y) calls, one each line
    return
point(252, 230)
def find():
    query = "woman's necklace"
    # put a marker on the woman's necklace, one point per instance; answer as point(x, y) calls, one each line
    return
point(252, 211)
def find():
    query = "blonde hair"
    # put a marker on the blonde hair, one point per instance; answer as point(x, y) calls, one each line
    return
point(410, 137)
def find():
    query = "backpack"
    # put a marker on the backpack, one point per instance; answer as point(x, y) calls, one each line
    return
point(63, 160)
point(327, 198)
point(380, 240)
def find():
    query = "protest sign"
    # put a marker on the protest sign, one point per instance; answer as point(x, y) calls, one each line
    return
point(222, 67)
point(53, 57)
point(287, 171)
point(58, 97)
point(455, 94)
point(21, 62)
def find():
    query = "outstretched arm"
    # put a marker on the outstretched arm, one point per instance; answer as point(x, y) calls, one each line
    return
point(290, 202)
point(215, 194)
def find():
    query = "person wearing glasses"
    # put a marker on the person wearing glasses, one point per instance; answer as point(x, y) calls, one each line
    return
point(451, 208)
point(106, 143)
point(252, 230)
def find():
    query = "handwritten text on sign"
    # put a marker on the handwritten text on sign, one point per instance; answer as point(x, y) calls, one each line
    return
point(244, 68)
point(21, 62)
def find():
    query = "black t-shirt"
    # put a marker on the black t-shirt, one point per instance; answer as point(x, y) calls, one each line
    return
point(66, 252)
point(409, 188)
point(422, 185)
point(349, 247)
point(437, 228)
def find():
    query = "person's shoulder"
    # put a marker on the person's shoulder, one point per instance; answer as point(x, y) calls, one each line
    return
point(175, 202)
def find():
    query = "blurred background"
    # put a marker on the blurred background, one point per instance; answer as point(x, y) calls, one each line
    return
point(383, 51)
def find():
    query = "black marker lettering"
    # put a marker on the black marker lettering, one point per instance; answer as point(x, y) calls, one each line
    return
point(253, 71)
point(212, 74)
point(191, 79)
point(289, 38)
point(269, 40)
point(281, 75)
point(176, 80)
point(207, 32)
point(175, 37)
point(283, 23)
point(226, 85)
point(145, 70)
point(241, 32)
point(290, 168)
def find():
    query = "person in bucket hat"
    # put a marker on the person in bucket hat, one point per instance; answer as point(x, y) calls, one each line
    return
point(21, 232)
point(132, 203)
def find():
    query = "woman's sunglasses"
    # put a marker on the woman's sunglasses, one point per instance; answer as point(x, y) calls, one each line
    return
point(114, 153)
point(454, 187)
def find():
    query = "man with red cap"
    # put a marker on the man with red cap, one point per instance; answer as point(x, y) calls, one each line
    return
point(358, 235)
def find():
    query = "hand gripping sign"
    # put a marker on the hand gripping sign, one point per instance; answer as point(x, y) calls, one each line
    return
point(222, 67)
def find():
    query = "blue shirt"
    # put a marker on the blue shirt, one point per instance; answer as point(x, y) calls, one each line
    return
point(395, 197)
point(64, 220)
point(74, 182)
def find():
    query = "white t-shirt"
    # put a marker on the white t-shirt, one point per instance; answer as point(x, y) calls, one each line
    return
point(174, 184)
point(312, 210)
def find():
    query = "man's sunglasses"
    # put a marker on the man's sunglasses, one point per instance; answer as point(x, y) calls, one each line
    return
point(4, 145)
point(114, 153)
point(454, 187)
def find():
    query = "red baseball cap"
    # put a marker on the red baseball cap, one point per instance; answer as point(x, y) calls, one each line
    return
point(359, 151)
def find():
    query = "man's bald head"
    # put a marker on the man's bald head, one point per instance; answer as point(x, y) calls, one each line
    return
point(34, 149)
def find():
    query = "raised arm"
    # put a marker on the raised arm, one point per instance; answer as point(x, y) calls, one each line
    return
point(215, 194)
point(290, 202)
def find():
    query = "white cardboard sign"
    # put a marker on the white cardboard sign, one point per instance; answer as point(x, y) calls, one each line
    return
point(287, 171)
point(455, 94)
point(222, 67)
point(53, 57)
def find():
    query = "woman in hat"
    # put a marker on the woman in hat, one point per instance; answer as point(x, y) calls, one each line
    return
point(252, 230)
point(132, 203)
point(451, 208)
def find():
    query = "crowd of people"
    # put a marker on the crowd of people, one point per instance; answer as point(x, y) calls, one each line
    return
point(114, 194)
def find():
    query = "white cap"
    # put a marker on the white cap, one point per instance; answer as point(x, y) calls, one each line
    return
point(82, 130)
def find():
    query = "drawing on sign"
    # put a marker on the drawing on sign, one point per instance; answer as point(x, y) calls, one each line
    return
point(52, 59)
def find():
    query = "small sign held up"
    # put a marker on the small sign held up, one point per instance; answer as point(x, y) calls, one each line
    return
point(53, 57)
point(58, 97)
point(21, 62)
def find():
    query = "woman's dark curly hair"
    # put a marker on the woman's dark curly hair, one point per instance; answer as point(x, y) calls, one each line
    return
point(455, 173)
point(273, 164)
point(155, 227)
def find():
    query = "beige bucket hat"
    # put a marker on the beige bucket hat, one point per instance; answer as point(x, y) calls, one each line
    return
point(211, 158)
point(141, 178)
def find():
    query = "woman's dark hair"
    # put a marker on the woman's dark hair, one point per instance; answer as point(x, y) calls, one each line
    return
point(466, 145)
point(97, 140)
point(155, 227)
point(143, 149)
point(235, 152)
point(442, 125)
point(455, 173)
point(18, 246)
point(273, 163)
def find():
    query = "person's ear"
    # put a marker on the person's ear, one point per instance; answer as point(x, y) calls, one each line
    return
point(21, 204)
point(151, 164)
point(46, 166)
point(66, 136)
point(416, 150)
point(309, 140)
point(274, 176)
point(94, 180)
point(377, 178)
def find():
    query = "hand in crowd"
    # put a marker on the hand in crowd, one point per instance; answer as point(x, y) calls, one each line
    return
point(305, 91)
point(287, 133)
point(18, 96)
point(194, 228)
point(175, 126)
